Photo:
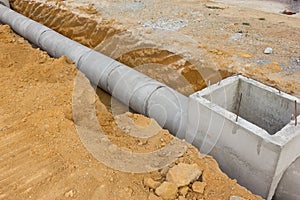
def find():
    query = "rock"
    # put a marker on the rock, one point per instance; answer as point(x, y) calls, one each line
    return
point(148, 31)
point(164, 171)
point(199, 187)
point(69, 194)
point(214, 6)
point(183, 174)
point(20, 41)
point(181, 198)
point(236, 198)
point(144, 142)
point(149, 182)
point(268, 50)
point(245, 55)
point(184, 190)
point(167, 190)
point(287, 12)
point(236, 36)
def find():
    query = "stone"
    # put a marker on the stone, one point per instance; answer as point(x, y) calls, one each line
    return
point(245, 55)
point(215, 6)
point(199, 187)
point(184, 190)
point(164, 171)
point(236, 36)
point(268, 50)
point(20, 41)
point(149, 182)
point(69, 194)
point(183, 174)
point(167, 190)
point(181, 198)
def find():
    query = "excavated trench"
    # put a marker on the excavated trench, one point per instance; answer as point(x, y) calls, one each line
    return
point(187, 76)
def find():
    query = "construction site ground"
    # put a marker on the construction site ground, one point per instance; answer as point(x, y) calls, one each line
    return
point(42, 156)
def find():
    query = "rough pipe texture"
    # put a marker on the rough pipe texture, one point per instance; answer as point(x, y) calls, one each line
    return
point(144, 94)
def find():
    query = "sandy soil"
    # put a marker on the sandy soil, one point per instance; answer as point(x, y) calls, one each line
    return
point(201, 42)
point(42, 156)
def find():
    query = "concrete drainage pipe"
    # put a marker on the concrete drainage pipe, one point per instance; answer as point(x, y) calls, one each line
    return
point(288, 187)
point(140, 92)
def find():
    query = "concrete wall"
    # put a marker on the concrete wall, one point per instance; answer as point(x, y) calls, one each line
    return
point(260, 105)
point(265, 107)
point(244, 150)
point(225, 96)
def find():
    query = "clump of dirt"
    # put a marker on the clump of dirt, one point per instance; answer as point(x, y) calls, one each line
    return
point(42, 156)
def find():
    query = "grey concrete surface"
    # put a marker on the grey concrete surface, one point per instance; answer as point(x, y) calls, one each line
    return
point(288, 187)
point(259, 147)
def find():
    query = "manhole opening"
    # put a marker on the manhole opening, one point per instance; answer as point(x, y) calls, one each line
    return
point(261, 105)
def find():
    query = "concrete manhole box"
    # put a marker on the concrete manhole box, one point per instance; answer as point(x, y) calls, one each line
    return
point(250, 129)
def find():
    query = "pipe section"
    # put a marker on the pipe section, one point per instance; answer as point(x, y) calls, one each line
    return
point(142, 93)
point(288, 187)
